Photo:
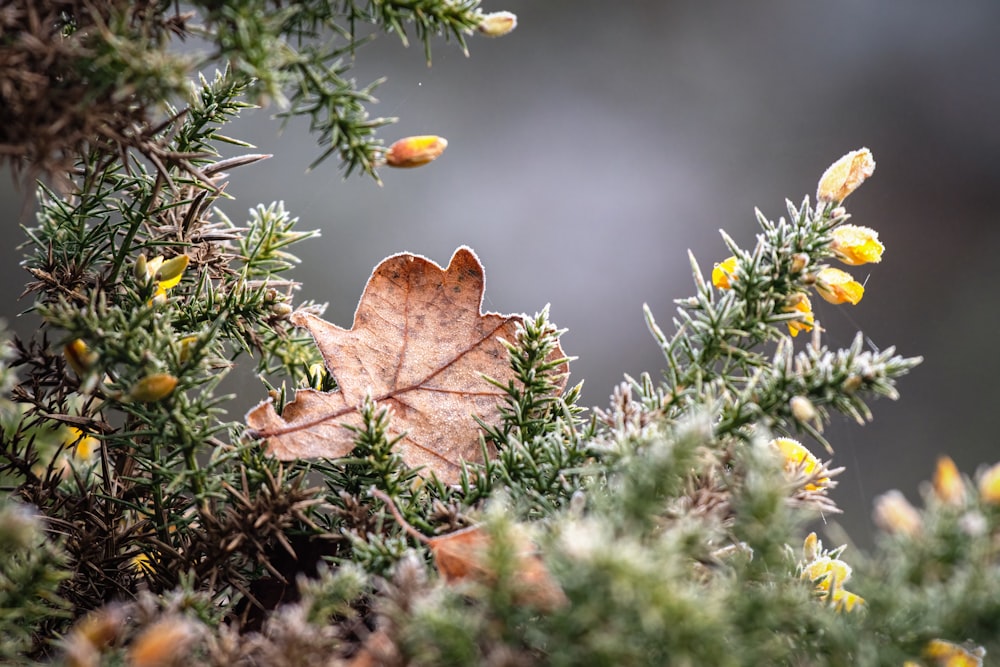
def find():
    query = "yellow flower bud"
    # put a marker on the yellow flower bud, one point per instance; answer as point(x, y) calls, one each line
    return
point(799, 261)
point(415, 151)
point(855, 245)
point(153, 388)
point(989, 485)
point(724, 272)
point(844, 176)
point(79, 357)
point(894, 513)
point(836, 286)
point(186, 344)
point(948, 485)
point(169, 272)
point(810, 547)
point(852, 383)
point(497, 24)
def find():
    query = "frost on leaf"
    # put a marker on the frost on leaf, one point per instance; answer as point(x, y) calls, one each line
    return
point(419, 344)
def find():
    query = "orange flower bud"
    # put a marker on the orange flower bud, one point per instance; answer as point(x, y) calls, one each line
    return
point(948, 485)
point(497, 24)
point(894, 513)
point(836, 286)
point(855, 245)
point(724, 272)
point(415, 151)
point(161, 643)
point(153, 388)
point(844, 176)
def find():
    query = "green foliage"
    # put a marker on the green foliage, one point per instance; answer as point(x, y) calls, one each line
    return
point(32, 567)
point(105, 73)
point(667, 528)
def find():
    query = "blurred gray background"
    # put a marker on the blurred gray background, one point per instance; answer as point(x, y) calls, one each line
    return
point(594, 145)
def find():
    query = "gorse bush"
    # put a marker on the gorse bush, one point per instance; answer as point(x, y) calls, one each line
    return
point(421, 488)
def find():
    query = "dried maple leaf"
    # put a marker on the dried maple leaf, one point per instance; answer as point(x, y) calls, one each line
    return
point(420, 344)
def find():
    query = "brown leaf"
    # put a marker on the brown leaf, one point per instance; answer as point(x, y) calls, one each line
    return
point(420, 344)
point(464, 556)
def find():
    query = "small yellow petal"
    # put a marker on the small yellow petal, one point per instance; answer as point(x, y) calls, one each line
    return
point(724, 272)
point(836, 286)
point(415, 151)
point(845, 600)
point(827, 573)
point(170, 272)
point(948, 484)
point(800, 303)
point(845, 175)
point(152, 265)
point(856, 245)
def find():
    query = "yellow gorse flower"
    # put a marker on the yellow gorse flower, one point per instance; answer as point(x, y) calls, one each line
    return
point(165, 274)
point(829, 574)
point(854, 245)
point(836, 286)
point(724, 272)
point(797, 457)
point(84, 445)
